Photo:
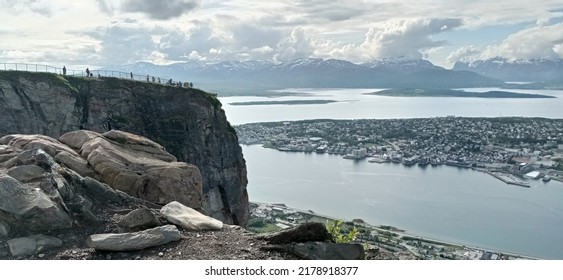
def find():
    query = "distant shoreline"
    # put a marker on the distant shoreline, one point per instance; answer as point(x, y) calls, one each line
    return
point(283, 102)
point(454, 93)
point(402, 232)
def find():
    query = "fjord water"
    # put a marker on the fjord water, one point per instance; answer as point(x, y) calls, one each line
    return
point(353, 104)
point(445, 203)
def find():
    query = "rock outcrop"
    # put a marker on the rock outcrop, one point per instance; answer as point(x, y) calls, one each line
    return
point(135, 240)
point(189, 123)
point(126, 162)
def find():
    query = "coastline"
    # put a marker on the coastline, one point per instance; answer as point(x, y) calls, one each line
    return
point(388, 230)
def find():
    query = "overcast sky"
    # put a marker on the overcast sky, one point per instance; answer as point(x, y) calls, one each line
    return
point(109, 32)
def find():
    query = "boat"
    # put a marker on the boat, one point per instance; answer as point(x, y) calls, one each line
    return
point(410, 161)
point(546, 178)
point(423, 162)
point(321, 149)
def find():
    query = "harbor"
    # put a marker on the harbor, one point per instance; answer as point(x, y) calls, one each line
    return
point(392, 242)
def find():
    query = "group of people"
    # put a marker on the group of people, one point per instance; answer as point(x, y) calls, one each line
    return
point(154, 80)
point(170, 82)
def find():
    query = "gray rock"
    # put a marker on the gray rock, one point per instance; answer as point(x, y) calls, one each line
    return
point(31, 206)
point(328, 251)
point(148, 174)
point(139, 219)
point(26, 173)
point(188, 218)
point(301, 233)
point(4, 229)
point(30, 245)
point(76, 163)
point(75, 139)
point(134, 241)
point(189, 123)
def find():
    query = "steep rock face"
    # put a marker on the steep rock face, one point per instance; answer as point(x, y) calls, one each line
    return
point(189, 123)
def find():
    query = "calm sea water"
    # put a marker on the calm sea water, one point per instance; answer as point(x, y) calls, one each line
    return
point(447, 203)
point(355, 105)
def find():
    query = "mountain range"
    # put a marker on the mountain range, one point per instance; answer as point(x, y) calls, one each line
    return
point(534, 70)
point(229, 76)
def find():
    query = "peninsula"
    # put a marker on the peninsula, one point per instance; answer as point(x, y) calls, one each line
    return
point(284, 102)
point(454, 93)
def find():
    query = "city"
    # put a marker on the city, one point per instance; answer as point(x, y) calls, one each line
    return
point(510, 149)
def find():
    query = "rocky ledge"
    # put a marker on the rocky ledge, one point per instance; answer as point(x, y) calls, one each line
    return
point(118, 195)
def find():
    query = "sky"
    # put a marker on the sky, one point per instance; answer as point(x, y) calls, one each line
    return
point(116, 32)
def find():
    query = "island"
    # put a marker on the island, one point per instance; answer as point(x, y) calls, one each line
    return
point(454, 93)
point(283, 102)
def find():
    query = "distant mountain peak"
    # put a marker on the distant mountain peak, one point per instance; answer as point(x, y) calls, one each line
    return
point(523, 70)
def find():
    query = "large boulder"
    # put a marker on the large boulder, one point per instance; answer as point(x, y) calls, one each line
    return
point(188, 218)
point(139, 219)
point(139, 167)
point(136, 240)
point(301, 233)
point(30, 206)
point(328, 251)
point(32, 245)
point(26, 173)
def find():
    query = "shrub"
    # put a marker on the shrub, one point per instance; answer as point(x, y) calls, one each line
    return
point(340, 235)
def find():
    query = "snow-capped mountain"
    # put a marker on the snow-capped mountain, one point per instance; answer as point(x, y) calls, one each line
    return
point(402, 65)
point(314, 72)
point(535, 70)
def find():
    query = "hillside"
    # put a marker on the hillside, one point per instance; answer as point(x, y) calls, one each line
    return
point(189, 123)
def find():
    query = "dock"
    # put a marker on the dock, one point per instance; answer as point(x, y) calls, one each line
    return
point(507, 181)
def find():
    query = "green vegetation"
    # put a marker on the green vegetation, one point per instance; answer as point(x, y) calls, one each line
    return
point(283, 102)
point(339, 234)
point(259, 225)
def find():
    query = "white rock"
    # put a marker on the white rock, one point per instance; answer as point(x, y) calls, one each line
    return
point(188, 218)
point(134, 241)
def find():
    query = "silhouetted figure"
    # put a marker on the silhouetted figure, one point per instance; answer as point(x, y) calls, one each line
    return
point(170, 82)
point(159, 80)
point(153, 79)
point(87, 72)
point(99, 76)
point(64, 70)
point(148, 79)
point(191, 85)
point(131, 75)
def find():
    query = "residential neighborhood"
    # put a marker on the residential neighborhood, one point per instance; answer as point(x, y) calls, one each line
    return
point(510, 149)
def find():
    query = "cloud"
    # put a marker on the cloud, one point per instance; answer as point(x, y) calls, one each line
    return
point(121, 44)
point(541, 41)
point(400, 38)
point(322, 10)
point(464, 54)
point(157, 10)
point(160, 10)
point(40, 7)
point(297, 45)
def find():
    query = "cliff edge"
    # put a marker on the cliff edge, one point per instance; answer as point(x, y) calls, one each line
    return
point(188, 122)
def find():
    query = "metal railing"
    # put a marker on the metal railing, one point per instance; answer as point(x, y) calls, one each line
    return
point(91, 74)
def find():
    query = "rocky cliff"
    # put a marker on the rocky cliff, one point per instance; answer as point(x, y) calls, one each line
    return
point(189, 123)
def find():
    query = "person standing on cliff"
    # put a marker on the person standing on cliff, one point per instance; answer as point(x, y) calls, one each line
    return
point(131, 75)
point(87, 72)
point(64, 70)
